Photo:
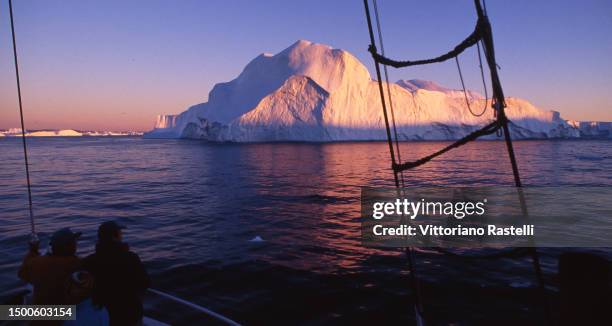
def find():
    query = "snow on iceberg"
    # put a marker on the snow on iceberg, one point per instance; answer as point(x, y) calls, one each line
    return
point(55, 133)
point(312, 92)
point(16, 132)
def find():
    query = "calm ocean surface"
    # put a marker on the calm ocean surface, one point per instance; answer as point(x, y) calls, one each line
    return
point(191, 208)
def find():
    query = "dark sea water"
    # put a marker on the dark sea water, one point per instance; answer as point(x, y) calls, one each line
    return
point(191, 208)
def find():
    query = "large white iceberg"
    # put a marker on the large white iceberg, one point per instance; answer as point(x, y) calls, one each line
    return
point(312, 92)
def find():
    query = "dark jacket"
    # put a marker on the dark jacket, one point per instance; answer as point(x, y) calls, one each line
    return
point(120, 281)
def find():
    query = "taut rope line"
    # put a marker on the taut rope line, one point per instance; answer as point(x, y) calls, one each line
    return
point(382, 51)
point(23, 137)
point(413, 276)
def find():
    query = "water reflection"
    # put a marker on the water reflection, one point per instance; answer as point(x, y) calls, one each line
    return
point(190, 202)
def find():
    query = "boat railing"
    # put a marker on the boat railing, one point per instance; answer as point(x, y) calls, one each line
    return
point(194, 306)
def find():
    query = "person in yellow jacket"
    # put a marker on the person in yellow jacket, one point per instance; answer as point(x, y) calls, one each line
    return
point(49, 273)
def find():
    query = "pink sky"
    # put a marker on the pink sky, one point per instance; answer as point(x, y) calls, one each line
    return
point(88, 66)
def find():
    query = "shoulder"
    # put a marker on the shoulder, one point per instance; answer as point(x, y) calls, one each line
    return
point(31, 264)
point(132, 256)
point(40, 260)
point(46, 263)
point(75, 260)
point(68, 261)
point(89, 261)
point(90, 257)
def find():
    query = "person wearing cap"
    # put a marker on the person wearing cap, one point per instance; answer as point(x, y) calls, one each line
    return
point(121, 278)
point(49, 273)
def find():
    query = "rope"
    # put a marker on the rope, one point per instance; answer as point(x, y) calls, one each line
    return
point(415, 284)
point(499, 105)
point(411, 265)
point(484, 82)
point(472, 39)
point(381, 91)
point(535, 257)
point(196, 307)
point(482, 33)
point(386, 73)
point(486, 130)
point(23, 137)
point(467, 102)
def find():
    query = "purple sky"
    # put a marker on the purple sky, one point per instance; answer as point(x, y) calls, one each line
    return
point(117, 64)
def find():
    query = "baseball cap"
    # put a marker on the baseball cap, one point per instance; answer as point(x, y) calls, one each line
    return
point(64, 236)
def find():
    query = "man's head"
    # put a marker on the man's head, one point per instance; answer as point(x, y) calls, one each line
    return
point(64, 242)
point(110, 231)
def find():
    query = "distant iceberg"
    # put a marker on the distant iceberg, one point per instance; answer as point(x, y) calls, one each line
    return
point(593, 129)
point(54, 133)
point(312, 92)
point(16, 132)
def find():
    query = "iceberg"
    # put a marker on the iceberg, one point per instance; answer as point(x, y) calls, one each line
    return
point(16, 132)
point(593, 129)
point(54, 133)
point(313, 92)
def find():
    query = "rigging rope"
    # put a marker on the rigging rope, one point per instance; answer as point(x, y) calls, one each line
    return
point(23, 137)
point(486, 130)
point(484, 82)
point(414, 280)
point(472, 39)
point(482, 33)
point(386, 73)
point(381, 91)
point(465, 95)
point(413, 275)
